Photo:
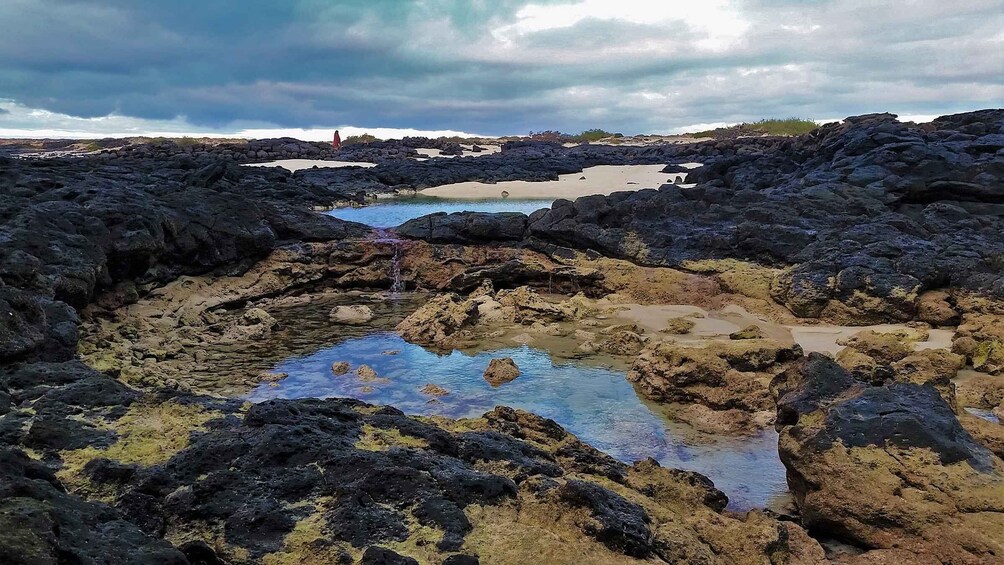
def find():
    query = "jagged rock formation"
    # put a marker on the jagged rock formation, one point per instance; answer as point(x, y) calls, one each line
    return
point(865, 215)
point(853, 222)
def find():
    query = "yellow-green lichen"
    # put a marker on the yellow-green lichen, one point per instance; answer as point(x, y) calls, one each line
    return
point(148, 434)
point(373, 438)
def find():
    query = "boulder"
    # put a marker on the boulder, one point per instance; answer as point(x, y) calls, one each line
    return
point(501, 371)
point(888, 467)
point(980, 337)
point(749, 332)
point(678, 326)
point(733, 375)
point(436, 321)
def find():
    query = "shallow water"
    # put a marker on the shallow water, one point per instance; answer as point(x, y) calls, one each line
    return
point(596, 403)
point(394, 212)
point(987, 415)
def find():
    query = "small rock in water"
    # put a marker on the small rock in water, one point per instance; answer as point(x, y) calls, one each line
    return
point(272, 377)
point(339, 368)
point(501, 371)
point(350, 315)
point(391, 352)
point(434, 390)
point(749, 332)
point(678, 326)
point(366, 373)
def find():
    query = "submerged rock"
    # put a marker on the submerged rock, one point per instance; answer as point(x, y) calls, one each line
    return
point(501, 371)
point(351, 315)
point(434, 390)
point(340, 368)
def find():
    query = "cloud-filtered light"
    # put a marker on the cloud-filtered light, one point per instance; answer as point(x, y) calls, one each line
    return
point(103, 67)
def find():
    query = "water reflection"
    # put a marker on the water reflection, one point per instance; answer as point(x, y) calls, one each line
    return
point(595, 403)
point(392, 213)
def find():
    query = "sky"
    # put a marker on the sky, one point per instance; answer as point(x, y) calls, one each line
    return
point(256, 68)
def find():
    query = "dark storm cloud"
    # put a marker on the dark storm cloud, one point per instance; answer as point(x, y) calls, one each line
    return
point(497, 66)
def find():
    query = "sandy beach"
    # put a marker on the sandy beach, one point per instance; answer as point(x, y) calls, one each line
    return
point(603, 179)
point(294, 165)
point(486, 150)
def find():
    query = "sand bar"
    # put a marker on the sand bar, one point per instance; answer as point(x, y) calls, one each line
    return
point(603, 179)
point(485, 150)
point(298, 164)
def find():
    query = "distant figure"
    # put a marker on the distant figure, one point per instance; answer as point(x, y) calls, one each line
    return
point(337, 141)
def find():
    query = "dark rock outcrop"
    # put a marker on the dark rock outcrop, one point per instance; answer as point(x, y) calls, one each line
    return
point(887, 468)
point(866, 214)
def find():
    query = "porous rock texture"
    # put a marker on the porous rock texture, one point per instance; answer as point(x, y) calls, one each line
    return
point(888, 467)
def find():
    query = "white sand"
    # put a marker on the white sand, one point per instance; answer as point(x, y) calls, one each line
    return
point(298, 164)
point(717, 325)
point(487, 150)
point(824, 339)
point(603, 179)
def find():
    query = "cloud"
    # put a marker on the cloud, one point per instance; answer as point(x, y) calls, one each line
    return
point(490, 66)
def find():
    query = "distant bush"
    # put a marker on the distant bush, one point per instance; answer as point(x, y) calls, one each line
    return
point(550, 135)
point(93, 146)
point(588, 136)
point(592, 135)
point(187, 141)
point(772, 126)
point(364, 138)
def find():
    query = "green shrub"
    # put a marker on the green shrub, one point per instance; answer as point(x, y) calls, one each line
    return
point(364, 138)
point(771, 126)
point(593, 135)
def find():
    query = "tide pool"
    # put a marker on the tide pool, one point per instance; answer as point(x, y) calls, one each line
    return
point(394, 212)
point(594, 402)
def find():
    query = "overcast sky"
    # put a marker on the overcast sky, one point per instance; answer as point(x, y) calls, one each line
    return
point(486, 66)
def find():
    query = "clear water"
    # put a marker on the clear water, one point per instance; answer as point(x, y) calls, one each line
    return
point(394, 212)
point(987, 415)
point(596, 403)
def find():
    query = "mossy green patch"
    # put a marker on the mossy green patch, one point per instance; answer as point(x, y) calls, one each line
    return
point(373, 438)
point(311, 542)
point(148, 434)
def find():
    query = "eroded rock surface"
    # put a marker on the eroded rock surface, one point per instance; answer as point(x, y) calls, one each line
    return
point(731, 378)
point(888, 467)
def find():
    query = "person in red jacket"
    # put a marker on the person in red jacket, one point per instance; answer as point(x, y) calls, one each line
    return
point(337, 141)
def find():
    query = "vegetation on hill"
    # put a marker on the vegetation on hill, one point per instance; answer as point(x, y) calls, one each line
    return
point(589, 135)
point(772, 126)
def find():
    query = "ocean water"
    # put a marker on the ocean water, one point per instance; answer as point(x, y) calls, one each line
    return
point(394, 212)
point(594, 402)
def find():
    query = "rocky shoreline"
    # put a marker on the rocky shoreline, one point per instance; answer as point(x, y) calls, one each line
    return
point(122, 277)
